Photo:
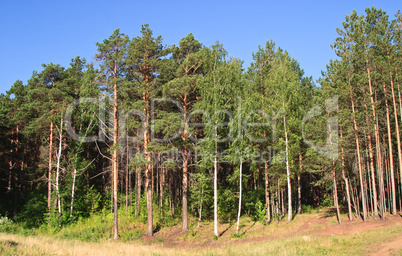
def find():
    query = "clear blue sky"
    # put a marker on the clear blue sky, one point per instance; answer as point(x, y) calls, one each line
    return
point(36, 32)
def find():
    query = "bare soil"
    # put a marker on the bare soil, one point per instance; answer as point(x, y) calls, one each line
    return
point(323, 223)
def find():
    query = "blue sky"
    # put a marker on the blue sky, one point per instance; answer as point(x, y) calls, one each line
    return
point(36, 32)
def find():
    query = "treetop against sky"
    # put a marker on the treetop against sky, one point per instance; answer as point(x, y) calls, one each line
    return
point(48, 31)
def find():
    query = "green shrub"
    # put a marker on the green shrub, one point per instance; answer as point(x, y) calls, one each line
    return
point(6, 225)
point(309, 209)
point(260, 212)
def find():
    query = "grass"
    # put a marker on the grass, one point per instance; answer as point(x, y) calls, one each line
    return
point(93, 236)
point(100, 227)
point(353, 244)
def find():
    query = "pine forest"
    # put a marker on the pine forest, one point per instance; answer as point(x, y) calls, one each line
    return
point(181, 135)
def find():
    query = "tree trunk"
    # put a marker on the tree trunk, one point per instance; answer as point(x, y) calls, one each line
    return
point(299, 205)
point(127, 171)
point(353, 198)
point(371, 166)
point(172, 193)
point(345, 178)
point(377, 139)
point(240, 195)
point(391, 157)
point(115, 162)
point(288, 173)
point(267, 199)
point(148, 189)
point(139, 181)
point(161, 190)
point(216, 197)
point(380, 174)
point(72, 192)
point(49, 182)
point(398, 137)
point(338, 214)
point(185, 187)
point(200, 206)
point(358, 155)
point(148, 166)
point(58, 155)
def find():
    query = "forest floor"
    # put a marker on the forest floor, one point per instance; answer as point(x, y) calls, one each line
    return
point(307, 226)
point(315, 233)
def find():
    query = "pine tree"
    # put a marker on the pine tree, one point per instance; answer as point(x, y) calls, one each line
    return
point(112, 55)
point(145, 57)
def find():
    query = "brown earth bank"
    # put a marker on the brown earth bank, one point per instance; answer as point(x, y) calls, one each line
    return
point(307, 234)
point(323, 223)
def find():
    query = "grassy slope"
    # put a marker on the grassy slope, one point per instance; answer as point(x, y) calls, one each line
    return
point(352, 244)
point(308, 234)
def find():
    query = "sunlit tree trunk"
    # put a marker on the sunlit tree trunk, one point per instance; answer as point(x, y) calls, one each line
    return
point(359, 160)
point(58, 156)
point(49, 181)
point(391, 156)
point(115, 159)
point(346, 182)
point(290, 214)
point(240, 194)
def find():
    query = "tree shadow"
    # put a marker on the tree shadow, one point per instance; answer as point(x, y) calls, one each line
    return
point(331, 212)
point(9, 243)
point(157, 228)
point(294, 215)
point(245, 231)
point(224, 231)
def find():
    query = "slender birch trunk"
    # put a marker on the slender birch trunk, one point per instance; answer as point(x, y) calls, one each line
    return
point(58, 155)
point(299, 205)
point(200, 206)
point(216, 195)
point(49, 182)
point(267, 196)
point(73, 192)
point(288, 172)
point(240, 194)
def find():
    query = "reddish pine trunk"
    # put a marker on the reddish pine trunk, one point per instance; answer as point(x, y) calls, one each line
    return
point(359, 160)
point(115, 163)
point(391, 157)
point(346, 180)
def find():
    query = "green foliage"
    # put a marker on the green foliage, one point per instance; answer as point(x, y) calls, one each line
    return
point(99, 227)
point(308, 209)
point(33, 212)
point(237, 235)
point(274, 97)
point(227, 205)
point(201, 194)
point(253, 205)
point(6, 224)
point(328, 200)
point(260, 212)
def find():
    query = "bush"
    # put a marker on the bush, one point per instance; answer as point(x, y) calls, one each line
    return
point(34, 211)
point(309, 209)
point(260, 212)
point(6, 225)
point(328, 200)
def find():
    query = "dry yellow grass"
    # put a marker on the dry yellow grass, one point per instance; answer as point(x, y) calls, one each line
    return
point(309, 235)
point(363, 243)
point(39, 245)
